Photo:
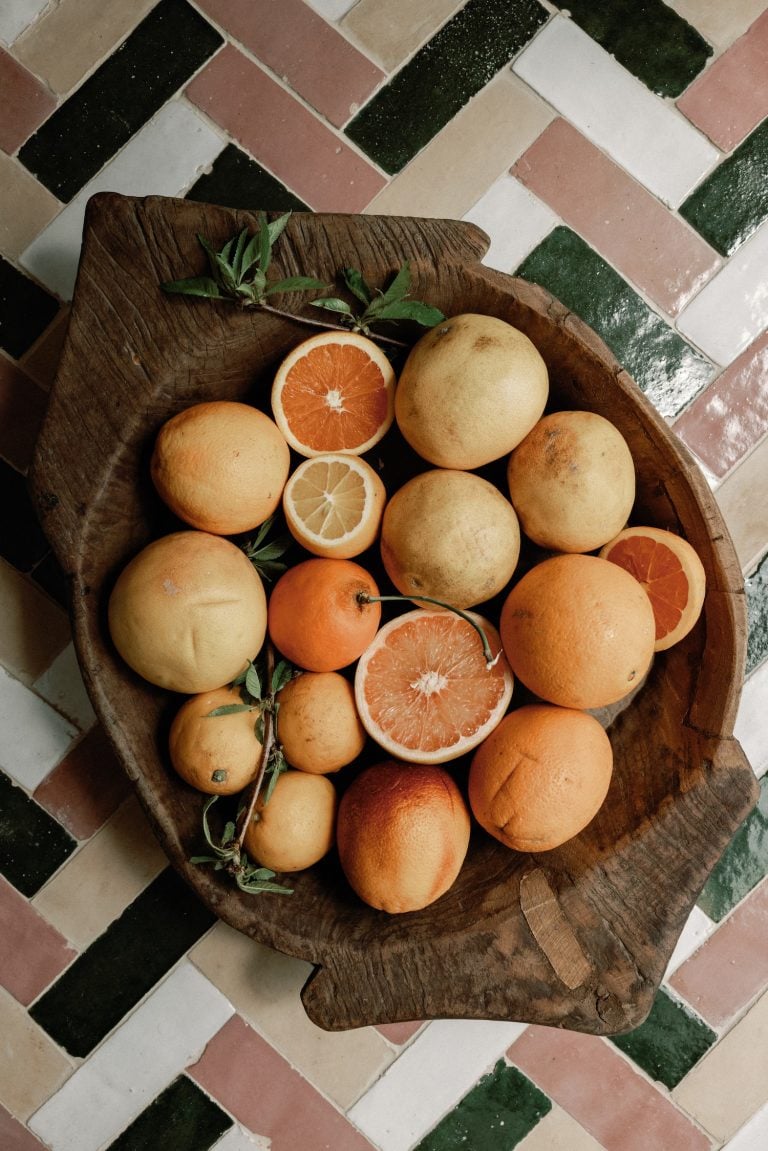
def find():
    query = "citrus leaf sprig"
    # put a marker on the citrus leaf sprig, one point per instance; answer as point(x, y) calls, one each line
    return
point(388, 306)
point(265, 554)
point(228, 857)
point(239, 271)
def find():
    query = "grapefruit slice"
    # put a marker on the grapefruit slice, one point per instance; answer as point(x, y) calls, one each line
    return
point(334, 392)
point(333, 505)
point(424, 690)
point(671, 573)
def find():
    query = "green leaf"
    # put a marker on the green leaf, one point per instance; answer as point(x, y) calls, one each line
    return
point(206, 828)
point(332, 304)
point(265, 243)
point(263, 886)
point(396, 291)
point(415, 310)
point(277, 226)
point(250, 255)
point(204, 859)
point(229, 709)
point(294, 284)
point(229, 833)
point(282, 674)
point(226, 252)
point(268, 569)
point(357, 285)
point(237, 259)
point(258, 727)
point(196, 286)
point(212, 256)
point(274, 549)
point(261, 534)
point(253, 682)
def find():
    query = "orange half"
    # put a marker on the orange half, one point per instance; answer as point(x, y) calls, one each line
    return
point(671, 573)
point(423, 688)
point(334, 393)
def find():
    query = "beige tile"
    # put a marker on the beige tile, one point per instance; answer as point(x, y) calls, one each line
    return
point(101, 879)
point(32, 1067)
point(557, 1131)
point(34, 629)
point(27, 207)
point(450, 175)
point(89, 28)
point(42, 360)
point(741, 497)
point(719, 21)
point(730, 1083)
point(392, 32)
point(264, 987)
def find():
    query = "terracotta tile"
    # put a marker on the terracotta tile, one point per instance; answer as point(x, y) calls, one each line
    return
point(731, 97)
point(393, 31)
point(42, 360)
point(89, 28)
point(730, 1084)
point(321, 169)
point(24, 103)
point(34, 629)
point(744, 511)
point(14, 1137)
point(399, 1033)
point(22, 407)
point(581, 1072)
point(32, 1067)
point(476, 147)
point(265, 988)
point(721, 23)
point(292, 1113)
point(87, 786)
point(27, 207)
point(731, 969)
point(32, 953)
point(301, 48)
point(729, 417)
point(623, 221)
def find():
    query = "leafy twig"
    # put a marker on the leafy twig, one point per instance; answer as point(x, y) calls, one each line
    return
point(380, 307)
point(265, 554)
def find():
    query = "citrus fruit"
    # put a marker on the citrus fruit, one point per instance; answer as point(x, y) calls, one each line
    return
point(402, 834)
point(572, 481)
point(450, 535)
point(671, 573)
point(216, 754)
point(334, 393)
point(220, 466)
point(296, 826)
point(188, 612)
point(318, 725)
point(470, 390)
point(578, 631)
point(333, 505)
point(316, 616)
point(423, 688)
point(540, 777)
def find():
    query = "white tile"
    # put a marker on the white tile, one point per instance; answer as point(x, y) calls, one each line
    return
point(732, 309)
point(516, 221)
point(332, 9)
point(648, 137)
point(163, 1036)
point(16, 15)
point(62, 685)
point(238, 1139)
point(429, 1079)
point(35, 737)
point(753, 1136)
point(697, 928)
point(163, 159)
point(751, 727)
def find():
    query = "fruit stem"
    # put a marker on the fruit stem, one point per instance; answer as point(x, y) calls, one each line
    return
point(377, 337)
point(251, 794)
point(490, 659)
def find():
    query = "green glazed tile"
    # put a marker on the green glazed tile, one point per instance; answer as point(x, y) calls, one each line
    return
point(237, 181)
point(649, 39)
point(123, 964)
point(457, 62)
point(32, 844)
point(182, 1117)
point(665, 367)
point(732, 202)
point(743, 864)
point(669, 1043)
point(756, 586)
point(496, 1114)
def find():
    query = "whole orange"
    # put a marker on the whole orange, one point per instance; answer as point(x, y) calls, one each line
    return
point(316, 617)
point(295, 827)
point(217, 754)
point(318, 725)
point(540, 777)
point(402, 834)
point(578, 631)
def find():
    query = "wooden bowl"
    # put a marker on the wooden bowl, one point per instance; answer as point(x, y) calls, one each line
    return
point(578, 937)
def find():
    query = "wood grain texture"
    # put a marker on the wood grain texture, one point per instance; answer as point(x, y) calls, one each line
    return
point(619, 894)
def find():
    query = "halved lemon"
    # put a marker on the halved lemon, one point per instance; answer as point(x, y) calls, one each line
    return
point(333, 505)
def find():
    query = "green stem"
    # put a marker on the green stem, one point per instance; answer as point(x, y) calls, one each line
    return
point(490, 658)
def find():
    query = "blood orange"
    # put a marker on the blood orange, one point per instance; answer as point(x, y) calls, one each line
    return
point(671, 573)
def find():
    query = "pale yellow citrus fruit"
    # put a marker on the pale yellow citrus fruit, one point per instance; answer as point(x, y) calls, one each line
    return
point(333, 505)
point(297, 825)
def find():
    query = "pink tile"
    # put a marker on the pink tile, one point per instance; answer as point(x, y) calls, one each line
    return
point(32, 953)
point(291, 1112)
point(14, 1137)
point(590, 1080)
point(24, 103)
point(22, 407)
point(283, 135)
point(398, 1033)
point(634, 231)
point(730, 98)
point(731, 968)
point(86, 787)
point(298, 45)
point(731, 415)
